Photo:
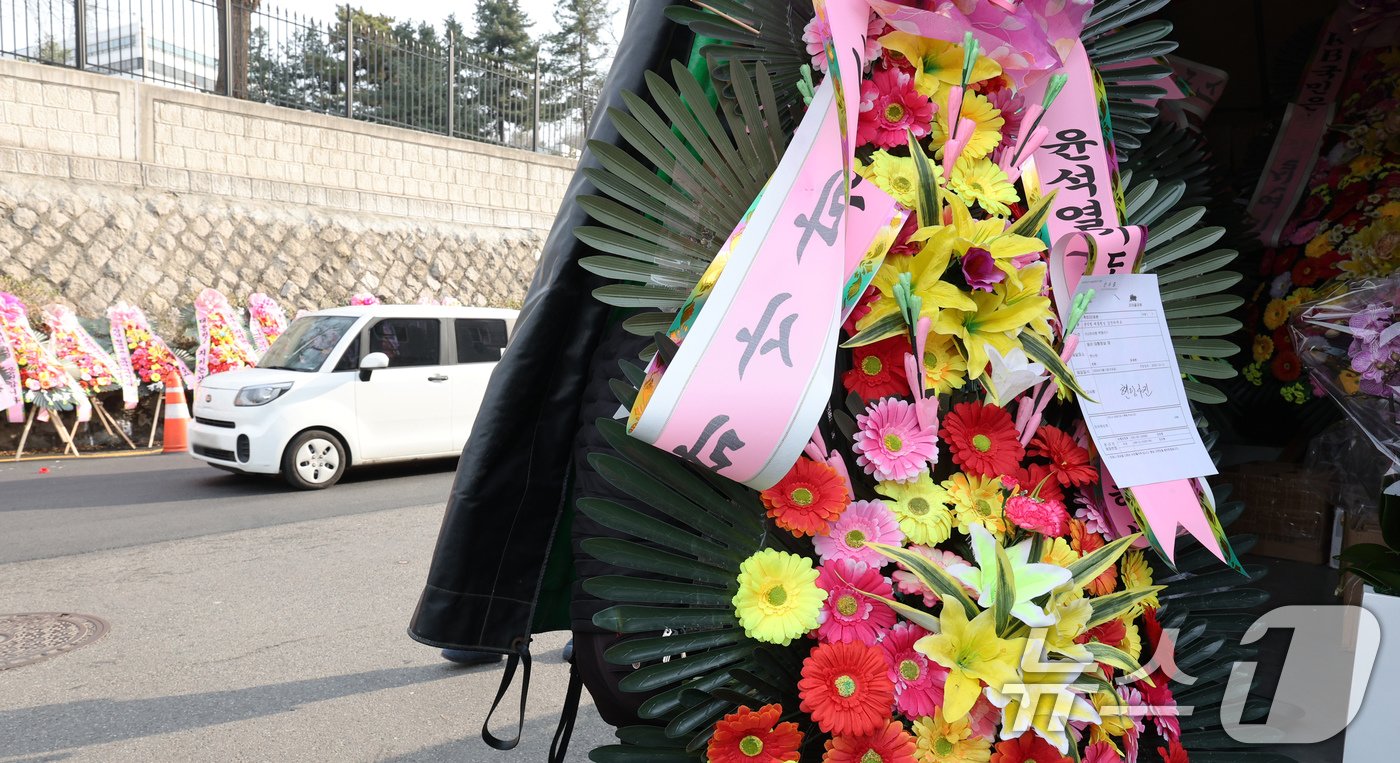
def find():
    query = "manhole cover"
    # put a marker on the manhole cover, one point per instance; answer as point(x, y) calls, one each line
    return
point(37, 636)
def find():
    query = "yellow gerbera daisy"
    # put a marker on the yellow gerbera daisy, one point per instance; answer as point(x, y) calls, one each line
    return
point(895, 175)
point(1263, 348)
point(1137, 575)
point(921, 508)
point(977, 501)
point(987, 123)
point(1060, 553)
point(943, 742)
point(1132, 639)
point(945, 369)
point(1275, 313)
point(979, 181)
point(1319, 246)
point(778, 598)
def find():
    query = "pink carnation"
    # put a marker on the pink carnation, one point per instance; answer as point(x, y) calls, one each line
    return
point(862, 522)
point(850, 613)
point(918, 681)
point(1047, 517)
point(891, 446)
point(890, 106)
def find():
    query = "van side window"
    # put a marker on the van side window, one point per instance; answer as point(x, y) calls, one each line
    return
point(408, 341)
point(479, 340)
point(351, 359)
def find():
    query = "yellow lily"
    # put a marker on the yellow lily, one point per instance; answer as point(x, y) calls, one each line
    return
point(997, 320)
point(1045, 701)
point(926, 268)
point(973, 653)
point(989, 234)
point(937, 64)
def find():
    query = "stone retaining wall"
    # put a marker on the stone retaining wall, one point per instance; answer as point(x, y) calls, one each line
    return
point(114, 189)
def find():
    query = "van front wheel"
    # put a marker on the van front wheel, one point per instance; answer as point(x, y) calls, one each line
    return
point(314, 460)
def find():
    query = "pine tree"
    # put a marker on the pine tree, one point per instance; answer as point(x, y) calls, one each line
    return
point(574, 54)
point(500, 72)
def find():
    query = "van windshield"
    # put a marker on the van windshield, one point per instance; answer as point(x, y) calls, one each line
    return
point(307, 343)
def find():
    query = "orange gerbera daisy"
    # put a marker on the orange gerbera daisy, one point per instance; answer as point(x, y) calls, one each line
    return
point(1085, 542)
point(889, 744)
point(846, 688)
point(746, 736)
point(807, 499)
point(982, 439)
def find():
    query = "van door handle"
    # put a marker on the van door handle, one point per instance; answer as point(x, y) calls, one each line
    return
point(437, 378)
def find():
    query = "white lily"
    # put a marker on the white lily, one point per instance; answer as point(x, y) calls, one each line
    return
point(1030, 579)
point(1012, 374)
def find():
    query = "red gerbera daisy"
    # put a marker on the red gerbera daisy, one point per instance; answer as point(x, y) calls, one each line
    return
point(1286, 366)
point(878, 369)
point(809, 497)
point(1174, 754)
point(1111, 633)
point(890, 744)
point(845, 689)
point(1068, 462)
point(1034, 475)
point(1027, 748)
point(982, 439)
point(746, 736)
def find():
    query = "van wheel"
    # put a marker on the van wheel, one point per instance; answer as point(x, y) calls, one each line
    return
point(314, 460)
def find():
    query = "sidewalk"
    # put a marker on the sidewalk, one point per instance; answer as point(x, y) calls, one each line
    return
point(276, 644)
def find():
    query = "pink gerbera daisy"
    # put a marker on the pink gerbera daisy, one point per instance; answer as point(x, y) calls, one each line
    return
point(816, 33)
point(850, 613)
point(891, 445)
point(889, 107)
point(1091, 513)
point(861, 523)
point(918, 681)
point(909, 583)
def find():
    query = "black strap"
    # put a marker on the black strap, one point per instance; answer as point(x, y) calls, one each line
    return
point(520, 658)
point(567, 715)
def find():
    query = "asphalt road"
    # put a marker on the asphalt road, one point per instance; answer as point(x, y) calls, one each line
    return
point(90, 504)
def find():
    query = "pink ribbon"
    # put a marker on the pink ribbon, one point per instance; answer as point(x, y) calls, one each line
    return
point(752, 375)
point(1077, 162)
point(1305, 123)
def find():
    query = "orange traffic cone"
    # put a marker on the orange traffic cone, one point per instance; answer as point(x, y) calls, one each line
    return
point(177, 416)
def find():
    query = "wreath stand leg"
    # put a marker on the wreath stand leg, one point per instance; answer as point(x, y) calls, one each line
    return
point(65, 434)
point(111, 424)
point(24, 436)
point(155, 420)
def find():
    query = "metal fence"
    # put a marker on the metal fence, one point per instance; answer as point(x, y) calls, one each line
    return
point(407, 75)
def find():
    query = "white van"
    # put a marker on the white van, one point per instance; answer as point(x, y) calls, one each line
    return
point(350, 386)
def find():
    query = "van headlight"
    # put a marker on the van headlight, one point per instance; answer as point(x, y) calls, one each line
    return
point(261, 394)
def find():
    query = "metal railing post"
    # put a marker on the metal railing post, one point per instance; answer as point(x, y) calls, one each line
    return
point(80, 33)
point(228, 48)
point(349, 62)
point(535, 117)
point(451, 87)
